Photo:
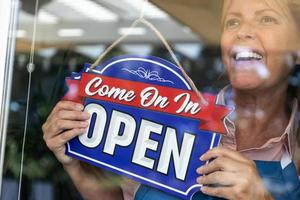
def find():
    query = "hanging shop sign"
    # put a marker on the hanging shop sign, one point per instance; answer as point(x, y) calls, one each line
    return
point(146, 122)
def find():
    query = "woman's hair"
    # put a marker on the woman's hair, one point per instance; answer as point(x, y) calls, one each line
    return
point(291, 8)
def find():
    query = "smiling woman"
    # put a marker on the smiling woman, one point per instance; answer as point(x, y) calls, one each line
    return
point(259, 46)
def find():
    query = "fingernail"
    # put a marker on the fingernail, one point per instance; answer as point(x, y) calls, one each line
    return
point(79, 106)
point(199, 180)
point(86, 115)
point(199, 170)
point(202, 158)
point(203, 189)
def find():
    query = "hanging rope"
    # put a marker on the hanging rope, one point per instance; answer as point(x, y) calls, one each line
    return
point(144, 21)
point(30, 69)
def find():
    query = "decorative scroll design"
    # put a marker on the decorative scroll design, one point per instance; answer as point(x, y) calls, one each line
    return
point(147, 74)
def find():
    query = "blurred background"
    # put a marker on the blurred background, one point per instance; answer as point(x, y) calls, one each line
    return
point(71, 33)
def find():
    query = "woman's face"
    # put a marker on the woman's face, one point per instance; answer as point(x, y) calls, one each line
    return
point(257, 43)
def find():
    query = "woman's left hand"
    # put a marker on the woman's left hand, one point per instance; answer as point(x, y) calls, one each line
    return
point(230, 175)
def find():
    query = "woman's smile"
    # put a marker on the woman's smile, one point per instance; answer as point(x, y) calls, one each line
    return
point(248, 60)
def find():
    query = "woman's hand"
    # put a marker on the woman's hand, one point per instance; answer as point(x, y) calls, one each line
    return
point(65, 122)
point(230, 175)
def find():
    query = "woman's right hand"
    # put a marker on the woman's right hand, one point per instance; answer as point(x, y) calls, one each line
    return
point(66, 121)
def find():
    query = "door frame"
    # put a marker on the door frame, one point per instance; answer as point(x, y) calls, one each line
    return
point(8, 10)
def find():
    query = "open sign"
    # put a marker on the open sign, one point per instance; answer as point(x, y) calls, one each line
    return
point(146, 122)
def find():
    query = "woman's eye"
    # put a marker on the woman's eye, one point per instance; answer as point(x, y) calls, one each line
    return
point(268, 20)
point(232, 23)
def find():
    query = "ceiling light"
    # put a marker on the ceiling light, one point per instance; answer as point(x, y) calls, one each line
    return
point(90, 9)
point(137, 49)
point(75, 32)
point(92, 51)
point(151, 10)
point(47, 52)
point(187, 30)
point(132, 31)
point(21, 33)
point(192, 50)
point(46, 17)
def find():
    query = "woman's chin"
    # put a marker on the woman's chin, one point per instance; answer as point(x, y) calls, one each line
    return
point(246, 83)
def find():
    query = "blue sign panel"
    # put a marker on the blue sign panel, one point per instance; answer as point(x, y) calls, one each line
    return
point(146, 122)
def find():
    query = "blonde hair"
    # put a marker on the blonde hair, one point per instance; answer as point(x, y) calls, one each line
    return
point(289, 8)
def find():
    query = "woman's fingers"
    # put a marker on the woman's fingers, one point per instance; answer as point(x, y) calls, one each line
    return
point(62, 112)
point(66, 105)
point(222, 178)
point(61, 125)
point(223, 152)
point(230, 175)
point(228, 160)
point(56, 143)
point(219, 164)
point(73, 115)
point(222, 192)
point(65, 122)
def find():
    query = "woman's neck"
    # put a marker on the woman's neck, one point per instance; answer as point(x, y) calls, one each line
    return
point(260, 115)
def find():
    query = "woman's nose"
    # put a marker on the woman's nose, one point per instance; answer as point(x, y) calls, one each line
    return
point(246, 32)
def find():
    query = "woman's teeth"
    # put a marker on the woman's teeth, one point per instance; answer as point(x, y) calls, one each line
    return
point(241, 56)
